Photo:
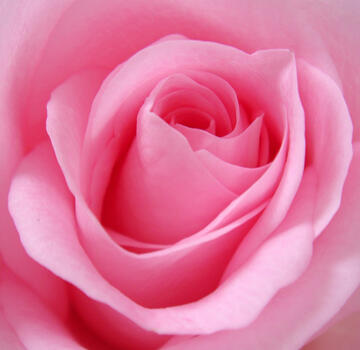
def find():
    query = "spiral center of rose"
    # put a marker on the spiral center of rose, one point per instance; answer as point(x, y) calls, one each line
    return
point(194, 139)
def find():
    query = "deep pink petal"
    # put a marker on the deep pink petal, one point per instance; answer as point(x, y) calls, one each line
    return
point(112, 327)
point(8, 337)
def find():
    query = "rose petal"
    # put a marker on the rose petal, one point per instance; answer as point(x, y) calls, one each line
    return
point(351, 307)
point(54, 237)
point(327, 118)
point(337, 24)
point(111, 101)
point(14, 133)
point(35, 325)
point(68, 111)
point(343, 335)
point(78, 114)
point(149, 199)
point(99, 39)
point(242, 149)
point(22, 52)
point(304, 307)
point(8, 338)
point(52, 241)
point(237, 179)
point(226, 93)
point(48, 231)
point(179, 90)
point(167, 276)
point(114, 329)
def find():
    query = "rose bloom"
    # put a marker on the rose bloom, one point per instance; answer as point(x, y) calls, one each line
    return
point(179, 174)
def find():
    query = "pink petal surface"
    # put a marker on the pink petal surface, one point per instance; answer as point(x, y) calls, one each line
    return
point(73, 85)
point(351, 307)
point(106, 253)
point(15, 46)
point(109, 167)
point(54, 237)
point(36, 327)
point(242, 149)
point(55, 244)
point(225, 92)
point(112, 328)
point(68, 111)
point(87, 229)
point(179, 90)
point(330, 20)
point(343, 335)
point(167, 276)
point(272, 25)
point(100, 129)
point(8, 337)
point(72, 46)
point(339, 331)
point(191, 118)
point(150, 199)
point(304, 307)
point(327, 118)
point(237, 179)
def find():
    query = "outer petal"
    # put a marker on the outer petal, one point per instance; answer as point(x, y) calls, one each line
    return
point(36, 327)
point(56, 244)
point(24, 29)
point(8, 337)
point(350, 309)
point(328, 139)
point(68, 111)
point(343, 335)
point(303, 308)
point(338, 24)
point(109, 34)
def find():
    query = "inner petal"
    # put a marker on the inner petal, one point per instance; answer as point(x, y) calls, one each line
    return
point(155, 190)
point(242, 149)
point(192, 118)
point(180, 91)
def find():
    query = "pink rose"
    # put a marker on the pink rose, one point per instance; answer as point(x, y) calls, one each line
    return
point(179, 174)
